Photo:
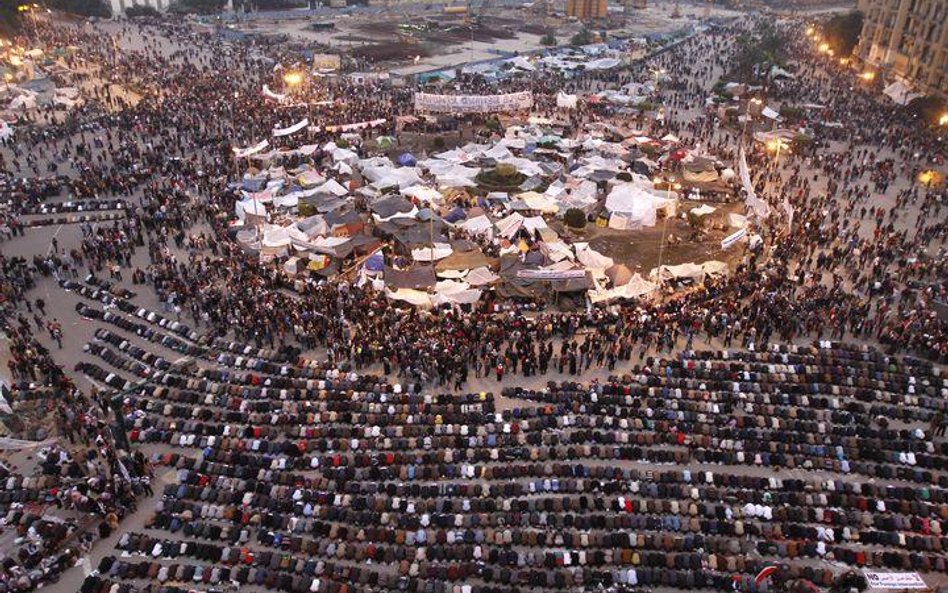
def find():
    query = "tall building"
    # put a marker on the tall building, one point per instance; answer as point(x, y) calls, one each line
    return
point(586, 10)
point(907, 40)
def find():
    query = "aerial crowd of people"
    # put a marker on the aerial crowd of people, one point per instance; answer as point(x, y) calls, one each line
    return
point(331, 439)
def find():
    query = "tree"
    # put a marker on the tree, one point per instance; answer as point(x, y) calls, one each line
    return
point(9, 19)
point(575, 218)
point(197, 6)
point(97, 8)
point(758, 53)
point(584, 37)
point(141, 10)
point(927, 109)
point(274, 4)
point(548, 40)
point(842, 32)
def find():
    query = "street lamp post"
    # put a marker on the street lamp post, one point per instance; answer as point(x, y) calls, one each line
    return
point(754, 101)
point(661, 244)
point(233, 134)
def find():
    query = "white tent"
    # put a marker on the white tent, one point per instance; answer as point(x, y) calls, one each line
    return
point(509, 225)
point(481, 276)
point(478, 225)
point(452, 175)
point(432, 253)
point(456, 292)
point(539, 202)
point(534, 224)
point(249, 207)
point(423, 193)
point(602, 64)
point(684, 271)
point(591, 258)
point(401, 177)
point(635, 287)
point(417, 298)
point(713, 267)
point(525, 166)
point(632, 206)
point(521, 63)
point(557, 251)
point(276, 236)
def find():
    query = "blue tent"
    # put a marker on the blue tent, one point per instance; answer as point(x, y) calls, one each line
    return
point(375, 263)
point(254, 184)
point(407, 160)
point(456, 215)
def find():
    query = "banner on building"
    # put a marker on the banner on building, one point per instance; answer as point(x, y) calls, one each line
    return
point(895, 580)
point(326, 62)
point(473, 103)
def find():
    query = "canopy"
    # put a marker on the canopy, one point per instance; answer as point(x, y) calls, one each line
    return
point(417, 277)
point(591, 258)
point(690, 271)
point(632, 206)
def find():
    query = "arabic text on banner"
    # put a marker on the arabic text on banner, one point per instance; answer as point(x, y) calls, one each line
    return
point(473, 103)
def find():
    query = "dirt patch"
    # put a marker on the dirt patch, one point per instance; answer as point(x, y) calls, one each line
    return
point(639, 250)
point(450, 30)
point(392, 50)
point(535, 29)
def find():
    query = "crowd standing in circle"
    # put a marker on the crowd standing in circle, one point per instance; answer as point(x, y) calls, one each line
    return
point(710, 447)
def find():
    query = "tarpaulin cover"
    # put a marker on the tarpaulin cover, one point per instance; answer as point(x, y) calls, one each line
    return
point(388, 207)
point(481, 276)
point(466, 260)
point(633, 203)
point(410, 296)
point(689, 270)
point(591, 258)
point(478, 225)
point(432, 252)
point(375, 263)
point(417, 277)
